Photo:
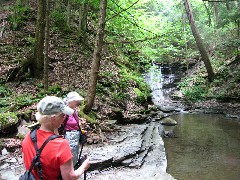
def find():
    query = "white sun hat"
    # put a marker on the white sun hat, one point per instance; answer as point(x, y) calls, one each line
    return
point(73, 96)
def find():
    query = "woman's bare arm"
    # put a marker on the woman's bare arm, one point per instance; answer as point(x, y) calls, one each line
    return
point(68, 172)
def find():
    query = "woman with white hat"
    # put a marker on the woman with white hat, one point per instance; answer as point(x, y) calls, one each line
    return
point(71, 124)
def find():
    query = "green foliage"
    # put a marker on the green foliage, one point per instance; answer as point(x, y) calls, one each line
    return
point(25, 100)
point(226, 82)
point(131, 79)
point(194, 88)
point(8, 118)
point(91, 117)
point(11, 101)
point(5, 98)
point(30, 40)
point(55, 90)
point(141, 97)
point(14, 102)
point(60, 20)
point(19, 16)
point(4, 91)
point(100, 88)
point(119, 96)
point(105, 83)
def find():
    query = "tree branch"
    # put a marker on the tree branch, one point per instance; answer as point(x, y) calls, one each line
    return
point(136, 41)
point(132, 22)
point(122, 10)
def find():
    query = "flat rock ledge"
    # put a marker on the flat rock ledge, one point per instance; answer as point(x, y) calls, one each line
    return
point(134, 151)
point(137, 151)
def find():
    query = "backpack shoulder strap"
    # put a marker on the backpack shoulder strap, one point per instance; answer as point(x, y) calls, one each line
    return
point(65, 121)
point(36, 160)
point(47, 140)
point(77, 119)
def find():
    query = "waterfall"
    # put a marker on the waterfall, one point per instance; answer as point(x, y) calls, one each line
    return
point(155, 80)
point(160, 83)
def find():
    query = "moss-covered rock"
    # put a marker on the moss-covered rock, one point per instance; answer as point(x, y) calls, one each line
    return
point(8, 122)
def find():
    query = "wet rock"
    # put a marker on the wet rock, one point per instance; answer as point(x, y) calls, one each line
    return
point(4, 151)
point(150, 163)
point(168, 122)
point(168, 108)
point(22, 131)
point(11, 160)
point(148, 173)
point(159, 116)
point(169, 134)
point(4, 166)
point(117, 114)
point(135, 118)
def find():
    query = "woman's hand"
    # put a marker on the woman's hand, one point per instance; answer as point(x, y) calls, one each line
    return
point(86, 164)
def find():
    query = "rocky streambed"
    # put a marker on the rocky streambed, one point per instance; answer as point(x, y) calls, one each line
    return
point(133, 151)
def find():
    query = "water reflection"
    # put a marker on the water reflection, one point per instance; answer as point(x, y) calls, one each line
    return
point(206, 147)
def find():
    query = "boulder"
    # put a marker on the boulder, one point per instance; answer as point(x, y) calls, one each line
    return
point(8, 123)
point(168, 122)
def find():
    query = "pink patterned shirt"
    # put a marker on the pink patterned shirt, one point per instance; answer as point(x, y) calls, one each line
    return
point(72, 122)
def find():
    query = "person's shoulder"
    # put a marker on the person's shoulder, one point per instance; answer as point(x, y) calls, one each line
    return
point(60, 140)
point(62, 143)
point(26, 138)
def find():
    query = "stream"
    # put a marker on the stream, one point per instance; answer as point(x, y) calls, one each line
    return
point(207, 147)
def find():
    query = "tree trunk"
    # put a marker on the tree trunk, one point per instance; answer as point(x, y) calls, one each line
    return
point(46, 61)
point(80, 18)
point(84, 20)
point(68, 13)
point(83, 11)
point(236, 3)
point(185, 40)
point(25, 2)
point(199, 42)
point(57, 4)
point(227, 6)
point(216, 16)
point(96, 58)
point(209, 15)
point(238, 37)
point(39, 36)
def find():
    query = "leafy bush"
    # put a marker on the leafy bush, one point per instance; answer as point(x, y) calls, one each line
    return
point(4, 91)
point(25, 100)
point(119, 96)
point(55, 89)
point(59, 20)
point(141, 97)
point(131, 80)
point(20, 14)
point(194, 88)
point(7, 118)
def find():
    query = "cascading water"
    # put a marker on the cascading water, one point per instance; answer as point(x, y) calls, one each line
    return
point(162, 82)
point(155, 80)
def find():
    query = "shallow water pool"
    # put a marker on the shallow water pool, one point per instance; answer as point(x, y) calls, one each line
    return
point(207, 147)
